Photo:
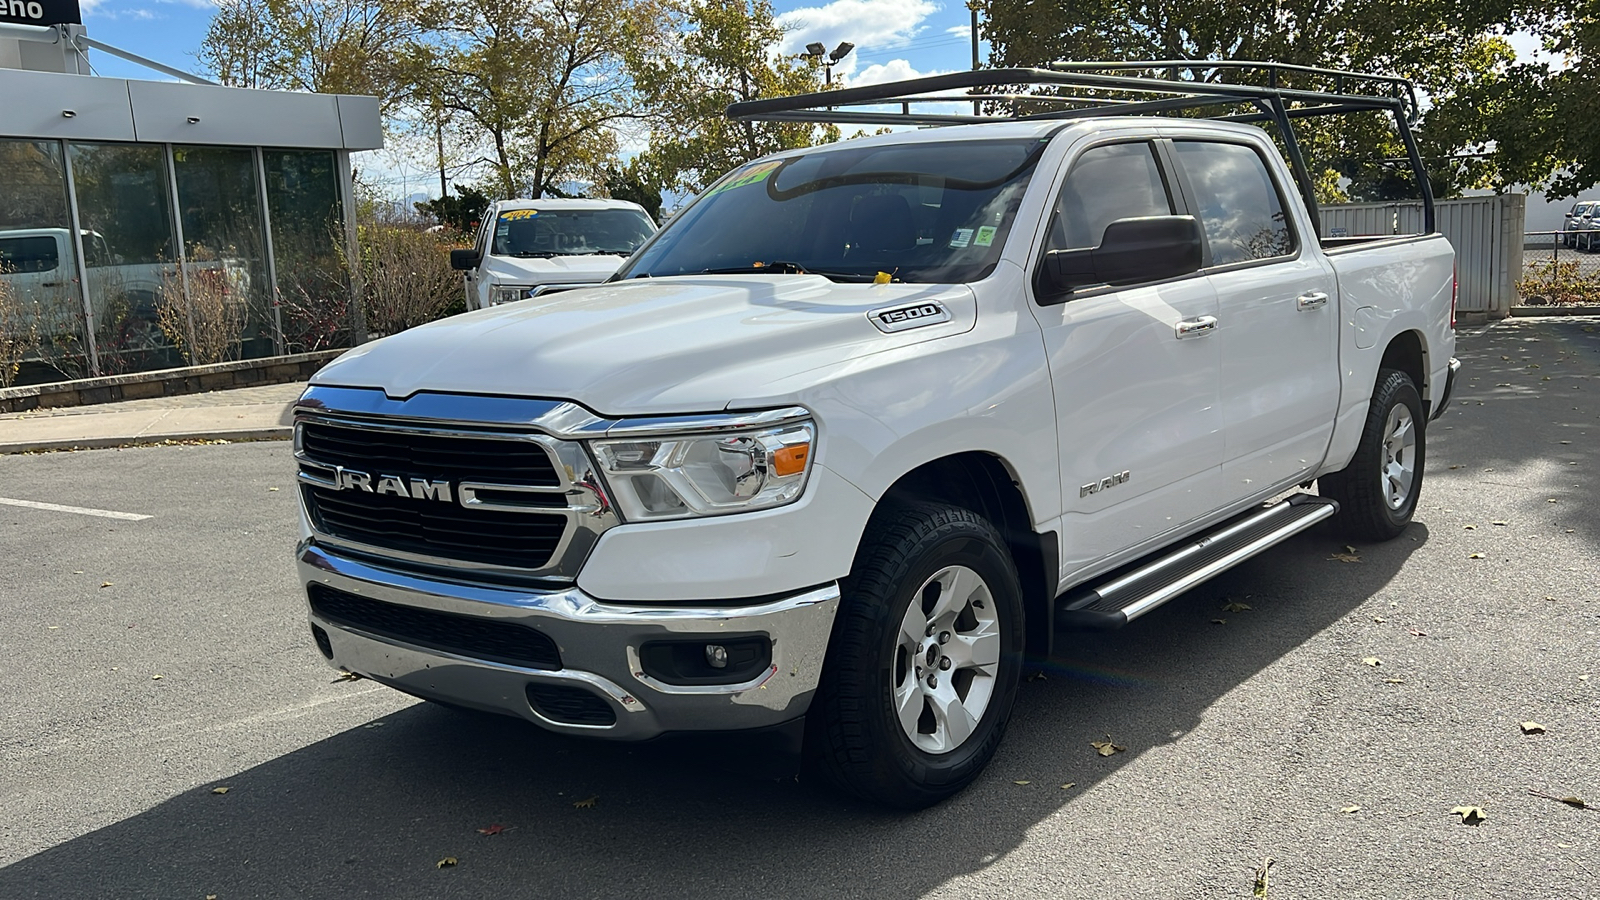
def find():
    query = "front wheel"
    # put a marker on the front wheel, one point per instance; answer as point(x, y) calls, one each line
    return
point(1377, 491)
point(923, 664)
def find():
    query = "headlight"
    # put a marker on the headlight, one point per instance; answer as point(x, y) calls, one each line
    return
point(683, 477)
point(508, 294)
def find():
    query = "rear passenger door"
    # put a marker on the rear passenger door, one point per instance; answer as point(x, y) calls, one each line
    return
point(1278, 327)
point(1135, 395)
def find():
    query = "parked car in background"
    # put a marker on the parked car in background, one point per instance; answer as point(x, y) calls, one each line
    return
point(1577, 225)
point(525, 248)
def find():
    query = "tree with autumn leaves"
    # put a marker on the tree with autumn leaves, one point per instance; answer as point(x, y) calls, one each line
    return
point(544, 94)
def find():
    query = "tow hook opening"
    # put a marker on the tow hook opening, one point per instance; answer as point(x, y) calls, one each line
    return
point(708, 659)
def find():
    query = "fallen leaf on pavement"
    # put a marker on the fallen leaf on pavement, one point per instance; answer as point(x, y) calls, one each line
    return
point(1470, 815)
point(1532, 728)
point(1345, 557)
point(271, 489)
point(1456, 467)
point(1469, 528)
point(1477, 556)
point(587, 802)
point(1219, 621)
point(1574, 802)
point(1497, 522)
point(1350, 809)
point(220, 790)
point(155, 677)
point(1394, 681)
point(1263, 877)
point(1069, 785)
point(492, 830)
point(345, 676)
point(1037, 676)
point(106, 584)
point(1022, 782)
point(1416, 633)
point(1379, 619)
point(445, 863)
point(1106, 747)
point(1235, 607)
point(1371, 661)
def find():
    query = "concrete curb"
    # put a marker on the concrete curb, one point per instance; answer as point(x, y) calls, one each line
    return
point(278, 433)
point(1575, 309)
point(165, 382)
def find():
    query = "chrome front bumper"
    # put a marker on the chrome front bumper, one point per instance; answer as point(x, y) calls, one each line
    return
point(599, 644)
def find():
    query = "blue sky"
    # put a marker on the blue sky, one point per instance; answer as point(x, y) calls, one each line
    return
point(894, 38)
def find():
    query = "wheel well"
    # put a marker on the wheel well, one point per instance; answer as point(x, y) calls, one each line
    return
point(1406, 354)
point(981, 483)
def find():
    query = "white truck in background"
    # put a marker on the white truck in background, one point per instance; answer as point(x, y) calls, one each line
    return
point(525, 248)
point(869, 421)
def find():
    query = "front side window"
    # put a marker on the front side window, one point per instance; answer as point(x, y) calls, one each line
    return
point(28, 254)
point(534, 233)
point(1117, 181)
point(923, 212)
point(1239, 204)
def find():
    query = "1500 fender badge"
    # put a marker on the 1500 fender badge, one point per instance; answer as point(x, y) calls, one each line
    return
point(913, 315)
point(1110, 481)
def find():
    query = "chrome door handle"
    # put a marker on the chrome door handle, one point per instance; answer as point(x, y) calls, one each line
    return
point(1199, 326)
point(1313, 300)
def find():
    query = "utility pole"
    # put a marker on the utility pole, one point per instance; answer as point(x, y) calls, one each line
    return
point(972, 5)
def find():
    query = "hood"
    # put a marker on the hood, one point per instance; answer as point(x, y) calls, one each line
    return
point(652, 346)
point(534, 271)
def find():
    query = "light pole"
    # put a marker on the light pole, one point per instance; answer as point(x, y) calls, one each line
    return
point(817, 52)
point(973, 5)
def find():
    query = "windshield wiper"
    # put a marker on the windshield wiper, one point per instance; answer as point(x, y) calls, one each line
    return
point(535, 254)
point(776, 267)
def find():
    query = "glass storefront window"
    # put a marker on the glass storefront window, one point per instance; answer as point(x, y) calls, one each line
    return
point(42, 329)
point(226, 315)
point(307, 245)
point(130, 254)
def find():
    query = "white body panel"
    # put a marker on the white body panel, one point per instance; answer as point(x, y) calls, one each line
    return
point(1061, 395)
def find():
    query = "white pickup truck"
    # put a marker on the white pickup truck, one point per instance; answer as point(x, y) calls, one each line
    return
point(865, 424)
point(525, 248)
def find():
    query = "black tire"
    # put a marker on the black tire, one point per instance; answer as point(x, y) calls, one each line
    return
point(1365, 508)
point(854, 736)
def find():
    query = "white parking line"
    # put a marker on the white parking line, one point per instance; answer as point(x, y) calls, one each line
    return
point(80, 510)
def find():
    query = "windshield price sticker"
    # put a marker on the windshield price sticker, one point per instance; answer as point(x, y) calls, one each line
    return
point(985, 236)
point(961, 238)
point(753, 175)
point(512, 215)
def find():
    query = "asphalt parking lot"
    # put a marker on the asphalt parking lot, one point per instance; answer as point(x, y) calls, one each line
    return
point(1331, 726)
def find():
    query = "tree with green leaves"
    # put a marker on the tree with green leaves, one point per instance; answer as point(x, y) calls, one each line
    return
point(718, 52)
point(1451, 50)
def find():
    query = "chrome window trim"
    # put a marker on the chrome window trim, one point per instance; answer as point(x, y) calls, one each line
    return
point(449, 414)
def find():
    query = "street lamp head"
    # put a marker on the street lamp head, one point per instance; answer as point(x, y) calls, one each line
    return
point(815, 48)
point(841, 51)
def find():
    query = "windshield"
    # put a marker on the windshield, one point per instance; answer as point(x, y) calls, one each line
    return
point(569, 232)
point(925, 212)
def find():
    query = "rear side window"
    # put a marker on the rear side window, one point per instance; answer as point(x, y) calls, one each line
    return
point(1117, 181)
point(28, 254)
point(1238, 202)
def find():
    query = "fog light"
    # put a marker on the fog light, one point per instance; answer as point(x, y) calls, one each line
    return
point(717, 656)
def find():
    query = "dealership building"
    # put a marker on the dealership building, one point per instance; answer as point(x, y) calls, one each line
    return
point(152, 223)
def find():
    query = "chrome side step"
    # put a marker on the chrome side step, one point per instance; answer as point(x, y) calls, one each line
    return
point(1125, 595)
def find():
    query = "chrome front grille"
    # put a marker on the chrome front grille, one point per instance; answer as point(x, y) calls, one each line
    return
point(496, 503)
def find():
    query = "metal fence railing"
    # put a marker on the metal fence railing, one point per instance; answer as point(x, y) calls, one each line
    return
point(1560, 267)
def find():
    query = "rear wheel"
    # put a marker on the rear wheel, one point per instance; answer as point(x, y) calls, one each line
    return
point(1377, 491)
point(924, 660)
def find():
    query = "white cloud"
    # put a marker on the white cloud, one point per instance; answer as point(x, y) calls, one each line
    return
point(893, 70)
point(960, 31)
point(868, 24)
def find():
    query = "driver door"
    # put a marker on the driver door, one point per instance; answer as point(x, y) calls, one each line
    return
point(1136, 396)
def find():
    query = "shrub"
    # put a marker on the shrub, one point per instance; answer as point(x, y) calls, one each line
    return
point(1551, 282)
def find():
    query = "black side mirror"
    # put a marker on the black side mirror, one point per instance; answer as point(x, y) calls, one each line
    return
point(1151, 248)
point(464, 259)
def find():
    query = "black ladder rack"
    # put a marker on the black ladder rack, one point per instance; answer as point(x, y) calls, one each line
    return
point(1083, 90)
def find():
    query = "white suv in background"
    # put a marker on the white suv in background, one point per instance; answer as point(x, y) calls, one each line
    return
point(1575, 227)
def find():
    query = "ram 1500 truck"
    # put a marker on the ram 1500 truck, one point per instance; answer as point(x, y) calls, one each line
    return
point(866, 423)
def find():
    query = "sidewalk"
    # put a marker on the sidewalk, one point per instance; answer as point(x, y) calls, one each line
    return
point(253, 413)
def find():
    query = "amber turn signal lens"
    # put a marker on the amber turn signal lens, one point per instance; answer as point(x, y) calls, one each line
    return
point(791, 460)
